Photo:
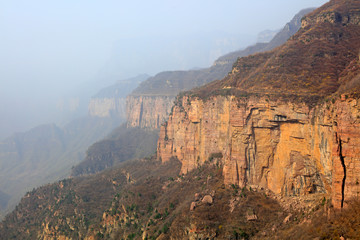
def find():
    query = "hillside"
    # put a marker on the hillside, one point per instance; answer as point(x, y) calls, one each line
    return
point(280, 38)
point(144, 199)
point(313, 62)
point(171, 83)
point(120, 145)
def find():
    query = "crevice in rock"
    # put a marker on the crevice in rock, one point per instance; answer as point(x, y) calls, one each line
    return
point(141, 113)
point(344, 168)
point(237, 174)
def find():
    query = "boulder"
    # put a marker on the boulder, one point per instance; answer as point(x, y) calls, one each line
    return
point(197, 196)
point(207, 199)
point(192, 206)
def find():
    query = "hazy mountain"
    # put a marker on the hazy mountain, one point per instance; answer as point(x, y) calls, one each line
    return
point(280, 38)
point(266, 36)
point(271, 151)
point(47, 152)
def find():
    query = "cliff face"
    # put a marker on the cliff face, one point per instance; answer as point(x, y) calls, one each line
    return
point(110, 102)
point(108, 107)
point(148, 111)
point(282, 146)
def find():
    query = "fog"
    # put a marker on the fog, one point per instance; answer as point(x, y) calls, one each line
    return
point(54, 51)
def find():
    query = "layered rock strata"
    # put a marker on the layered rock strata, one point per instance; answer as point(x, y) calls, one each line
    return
point(283, 146)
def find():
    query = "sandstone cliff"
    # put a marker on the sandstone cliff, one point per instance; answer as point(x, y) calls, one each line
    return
point(276, 120)
point(286, 147)
point(148, 111)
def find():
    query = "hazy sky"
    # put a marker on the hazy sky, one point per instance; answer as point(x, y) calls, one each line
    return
point(48, 47)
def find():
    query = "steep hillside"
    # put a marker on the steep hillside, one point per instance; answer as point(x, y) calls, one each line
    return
point(120, 145)
point(143, 200)
point(287, 120)
point(266, 36)
point(312, 62)
point(280, 38)
point(159, 91)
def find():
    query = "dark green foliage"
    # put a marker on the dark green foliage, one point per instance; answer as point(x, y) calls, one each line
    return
point(215, 155)
point(157, 216)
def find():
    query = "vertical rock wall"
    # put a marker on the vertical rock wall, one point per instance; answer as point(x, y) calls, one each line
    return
point(280, 145)
point(147, 111)
point(107, 107)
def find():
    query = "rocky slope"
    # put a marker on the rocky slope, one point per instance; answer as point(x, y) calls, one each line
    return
point(150, 104)
point(279, 120)
point(144, 200)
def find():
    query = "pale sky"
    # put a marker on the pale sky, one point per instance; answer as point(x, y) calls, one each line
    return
point(49, 47)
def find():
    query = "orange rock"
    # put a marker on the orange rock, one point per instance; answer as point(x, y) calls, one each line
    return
point(285, 147)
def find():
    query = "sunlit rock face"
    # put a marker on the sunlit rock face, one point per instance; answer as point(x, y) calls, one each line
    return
point(286, 147)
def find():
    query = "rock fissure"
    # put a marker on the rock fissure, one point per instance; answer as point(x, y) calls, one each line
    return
point(342, 159)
